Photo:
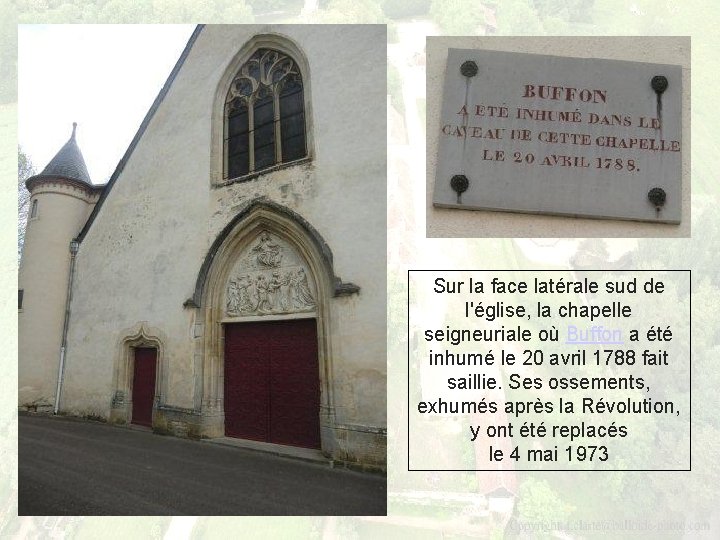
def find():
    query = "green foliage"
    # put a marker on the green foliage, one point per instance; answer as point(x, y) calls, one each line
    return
point(351, 12)
point(638, 17)
point(397, 9)
point(458, 17)
point(259, 528)
point(271, 6)
point(138, 11)
point(519, 17)
point(111, 528)
point(701, 256)
point(232, 11)
point(568, 10)
point(120, 11)
point(538, 503)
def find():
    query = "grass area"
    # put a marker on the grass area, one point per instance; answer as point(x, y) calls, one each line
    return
point(259, 528)
point(111, 528)
point(396, 532)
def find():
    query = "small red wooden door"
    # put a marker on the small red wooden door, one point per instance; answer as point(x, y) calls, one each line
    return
point(272, 382)
point(143, 392)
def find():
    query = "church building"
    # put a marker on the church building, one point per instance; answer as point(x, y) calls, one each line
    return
point(230, 278)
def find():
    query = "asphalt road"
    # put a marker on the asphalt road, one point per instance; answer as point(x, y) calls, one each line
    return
point(69, 467)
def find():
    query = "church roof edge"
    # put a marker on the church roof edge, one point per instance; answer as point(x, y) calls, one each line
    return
point(141, 131)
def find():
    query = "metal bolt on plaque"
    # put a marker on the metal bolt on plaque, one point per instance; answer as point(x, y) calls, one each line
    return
point(459, 183)
point(468, 68)
point(659, 83)
point(657, 197)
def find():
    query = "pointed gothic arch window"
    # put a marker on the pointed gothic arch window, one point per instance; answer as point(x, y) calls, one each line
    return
point(264, 114)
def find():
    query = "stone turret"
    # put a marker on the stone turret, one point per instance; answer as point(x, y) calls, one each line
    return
point(62, 197)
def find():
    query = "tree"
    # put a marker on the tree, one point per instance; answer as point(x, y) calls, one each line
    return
point(458, 17)
point(25, 171)
point(351, 12)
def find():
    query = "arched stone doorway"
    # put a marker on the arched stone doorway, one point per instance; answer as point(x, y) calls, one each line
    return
point(267, 268)
point(139, 343)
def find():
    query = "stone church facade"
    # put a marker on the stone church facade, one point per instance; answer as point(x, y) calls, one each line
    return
point(229, 280)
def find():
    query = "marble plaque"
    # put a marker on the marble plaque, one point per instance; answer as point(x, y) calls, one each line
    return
point(556, 135)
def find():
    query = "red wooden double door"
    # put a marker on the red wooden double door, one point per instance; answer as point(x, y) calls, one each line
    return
point(272, 386)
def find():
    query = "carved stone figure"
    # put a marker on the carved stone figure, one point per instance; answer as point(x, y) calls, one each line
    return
point(263, 298)
point(268, 251)
point(233, 298)
point(303, 296)
point(269, 278)
point(245, 303)
point(274, 290)
point(285, 304)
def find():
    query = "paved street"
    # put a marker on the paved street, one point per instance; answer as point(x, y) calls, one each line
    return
point(69, 467)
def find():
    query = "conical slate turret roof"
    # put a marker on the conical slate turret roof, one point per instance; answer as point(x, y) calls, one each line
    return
point(68, 163)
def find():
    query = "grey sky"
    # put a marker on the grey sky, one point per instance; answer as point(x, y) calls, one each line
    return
point(104, 77)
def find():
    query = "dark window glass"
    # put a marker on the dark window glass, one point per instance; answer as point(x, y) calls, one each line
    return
point(33, 210)
point(264, 156)
point(238, 121)
point(238, 165)
point(267, 79)
point(292, 120)
point(264, 132)
point(238, 145)
point(20, 297)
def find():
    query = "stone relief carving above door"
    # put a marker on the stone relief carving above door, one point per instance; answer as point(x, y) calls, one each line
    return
point(269, 278)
